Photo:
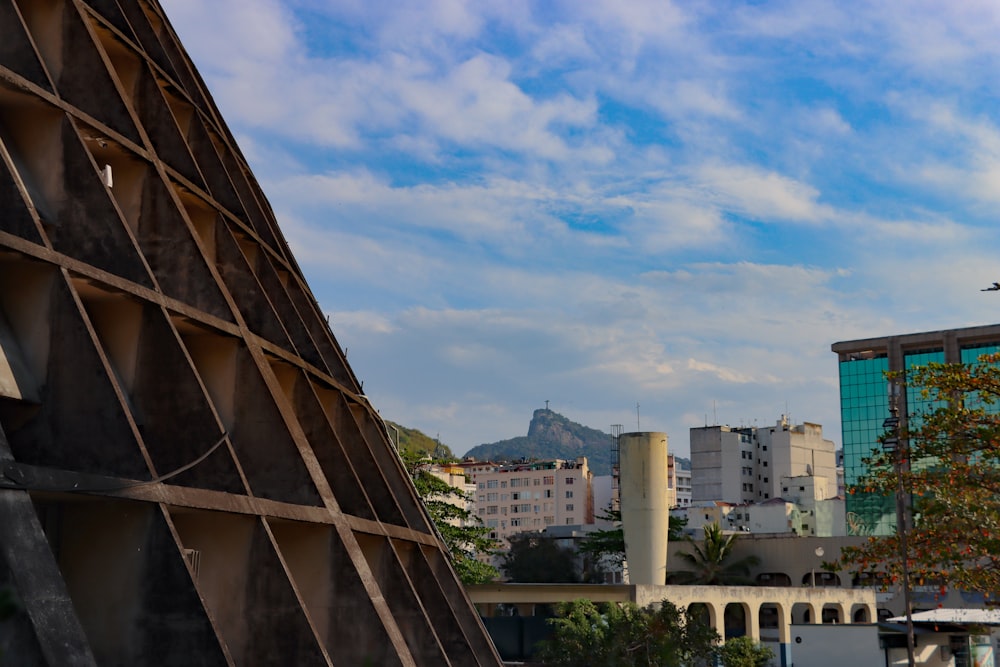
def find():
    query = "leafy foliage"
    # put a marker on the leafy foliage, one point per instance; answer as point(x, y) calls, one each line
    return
point(952, 473)
point(613, 635)
point(606, 545)
point(712, 562)
point(609, 545)
point(539, 560)
point(465, 542)
point(744, 652)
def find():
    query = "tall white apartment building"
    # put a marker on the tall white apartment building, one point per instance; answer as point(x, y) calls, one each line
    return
point(678, 484)
point(530, 496)
point(746, 465)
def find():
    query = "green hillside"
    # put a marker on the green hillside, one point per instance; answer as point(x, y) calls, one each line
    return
point(550, 436)
point(413, 440)
point(553, 436)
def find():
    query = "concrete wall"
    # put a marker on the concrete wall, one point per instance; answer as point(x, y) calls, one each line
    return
point(834, 646)
point(645, 505)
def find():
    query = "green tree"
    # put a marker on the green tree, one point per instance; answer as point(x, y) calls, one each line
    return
point(712, 562)
point(951, 472)
point(609, 545)
point(463, 533)
point(622, 635)
point(533, 559)
point(745, 652)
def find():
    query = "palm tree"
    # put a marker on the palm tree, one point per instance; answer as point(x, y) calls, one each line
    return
point(712, 564)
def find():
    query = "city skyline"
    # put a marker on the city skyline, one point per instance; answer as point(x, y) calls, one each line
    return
point(610, 204)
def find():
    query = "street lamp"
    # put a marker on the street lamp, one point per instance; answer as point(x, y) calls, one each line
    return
point(819, 554)
point(891, 444)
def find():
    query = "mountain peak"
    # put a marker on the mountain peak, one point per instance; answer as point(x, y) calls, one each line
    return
point(552, 436)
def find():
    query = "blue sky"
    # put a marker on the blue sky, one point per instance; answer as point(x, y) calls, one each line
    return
point(604, 203)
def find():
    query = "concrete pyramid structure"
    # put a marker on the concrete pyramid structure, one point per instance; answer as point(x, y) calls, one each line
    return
point(189, 474)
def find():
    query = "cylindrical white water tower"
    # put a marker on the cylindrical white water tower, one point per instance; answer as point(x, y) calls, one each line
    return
point(645, 505)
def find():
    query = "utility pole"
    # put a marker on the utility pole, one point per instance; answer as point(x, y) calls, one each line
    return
point(891, 444)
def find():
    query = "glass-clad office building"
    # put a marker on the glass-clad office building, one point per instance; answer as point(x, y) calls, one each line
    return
point(864, 402)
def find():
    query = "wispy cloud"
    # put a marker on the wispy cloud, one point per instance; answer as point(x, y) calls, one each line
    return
point(603, 203)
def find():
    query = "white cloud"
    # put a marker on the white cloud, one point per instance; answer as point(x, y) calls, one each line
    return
point(761, 195)
point(724, 374)
point(606, 203)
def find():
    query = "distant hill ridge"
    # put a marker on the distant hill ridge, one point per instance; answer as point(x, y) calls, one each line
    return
point(553, 436)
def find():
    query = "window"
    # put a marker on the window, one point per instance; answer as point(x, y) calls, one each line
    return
point(491, 497)
point(515, 482)
point(765, 448)
point(482, 497)
point(569, 521)
point(765, 480)
point(569, 494)
point(765, 464)
point(569, 480)
point(482, 485)
point(492, 509)
point(535, 509)
point(514, 523)
point(503, 485)
point(569, 507)
point(492, 523)
point(549, 480)
point(492, 484)
point(549, 493)
point(549, 520)
point(515, 496)
point(536, 482)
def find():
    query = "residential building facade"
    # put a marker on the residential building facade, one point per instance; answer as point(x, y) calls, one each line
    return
point(528, 496)
point(678, 483)
point(746, 465)
point(453, 475)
